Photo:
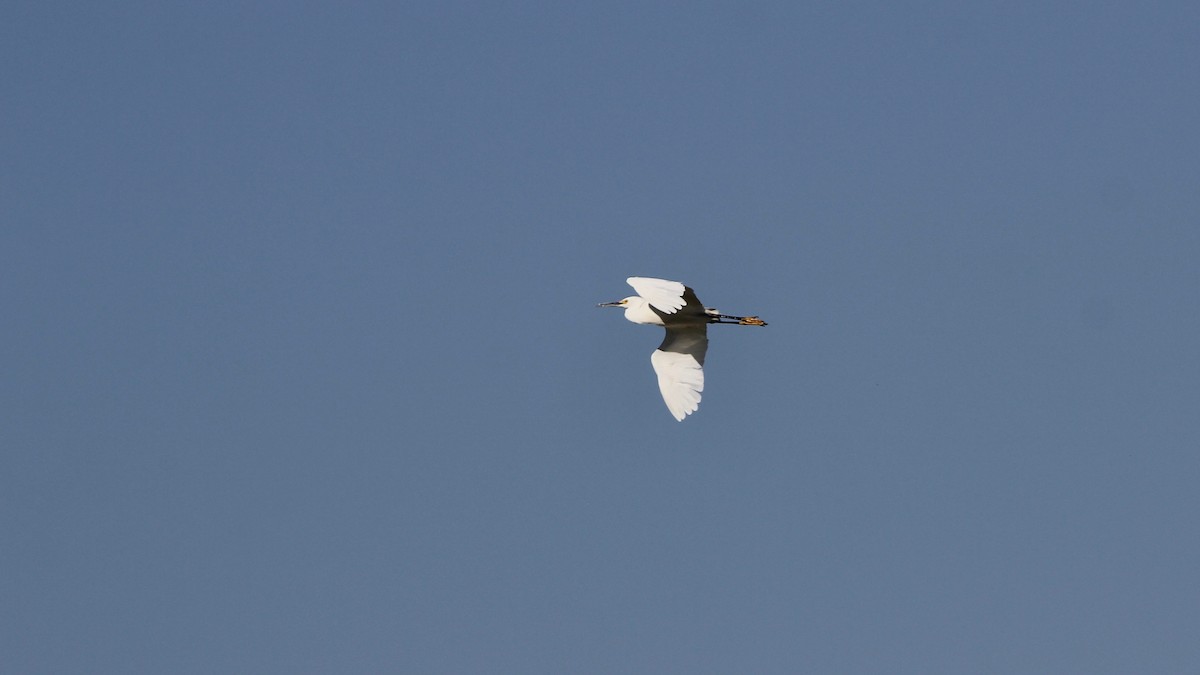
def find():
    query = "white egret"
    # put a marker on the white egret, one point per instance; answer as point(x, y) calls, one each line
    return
point(679, 360)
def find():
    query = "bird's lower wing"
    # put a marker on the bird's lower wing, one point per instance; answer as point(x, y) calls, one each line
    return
point(680, 379)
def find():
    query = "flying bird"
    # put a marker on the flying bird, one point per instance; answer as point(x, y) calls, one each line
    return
point(679, 360)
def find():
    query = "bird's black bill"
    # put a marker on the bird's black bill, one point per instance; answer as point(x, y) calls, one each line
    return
point(609, 304)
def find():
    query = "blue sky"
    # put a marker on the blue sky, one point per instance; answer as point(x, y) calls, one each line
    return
point(302, 369)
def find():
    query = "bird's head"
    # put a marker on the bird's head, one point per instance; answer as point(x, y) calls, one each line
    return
point(636, 309)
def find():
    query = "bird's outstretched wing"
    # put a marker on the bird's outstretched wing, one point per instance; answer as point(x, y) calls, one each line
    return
point(680, 379)
point(665, 296)
point(679, 364)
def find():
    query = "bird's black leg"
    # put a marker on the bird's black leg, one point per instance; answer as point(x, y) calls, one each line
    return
point(741, 320)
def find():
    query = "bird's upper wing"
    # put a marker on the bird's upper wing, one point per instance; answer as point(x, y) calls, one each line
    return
point(665, 296)
point(680, 379)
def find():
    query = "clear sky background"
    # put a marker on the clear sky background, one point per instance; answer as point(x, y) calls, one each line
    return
point(302, 370)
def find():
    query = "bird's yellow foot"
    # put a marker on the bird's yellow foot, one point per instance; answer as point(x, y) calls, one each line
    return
point(752, 321)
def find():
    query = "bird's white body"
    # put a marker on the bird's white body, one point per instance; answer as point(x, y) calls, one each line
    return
point(679, 360)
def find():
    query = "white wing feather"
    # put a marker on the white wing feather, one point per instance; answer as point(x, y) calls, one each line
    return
point(680, 379)
point(665, 296)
